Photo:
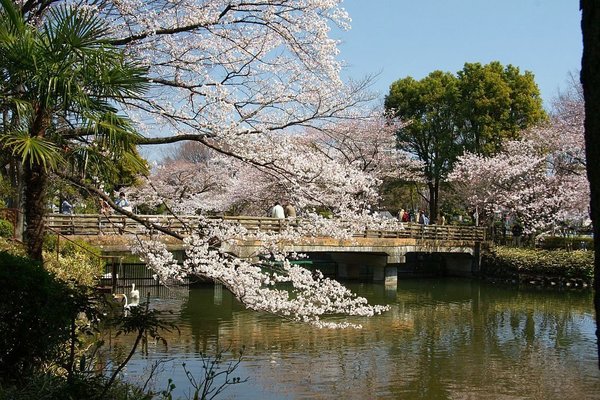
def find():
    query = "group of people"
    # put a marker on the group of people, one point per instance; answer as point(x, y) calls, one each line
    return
point(283, 211)
point(420, 217)
point(67, 208)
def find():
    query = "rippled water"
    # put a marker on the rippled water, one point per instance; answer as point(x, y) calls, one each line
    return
point(442, 339)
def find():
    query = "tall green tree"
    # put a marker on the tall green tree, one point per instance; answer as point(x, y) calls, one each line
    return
point(474, 110)
point(496, 104)
point(428, 106)
point(63, 86)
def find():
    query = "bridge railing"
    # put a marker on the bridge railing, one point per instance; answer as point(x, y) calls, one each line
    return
point(431, 232)
point(99, 224)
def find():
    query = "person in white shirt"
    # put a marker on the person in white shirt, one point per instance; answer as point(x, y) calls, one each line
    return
point(277, 211)
point(123, 202)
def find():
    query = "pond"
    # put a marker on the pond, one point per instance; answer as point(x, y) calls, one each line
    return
point(441, 339)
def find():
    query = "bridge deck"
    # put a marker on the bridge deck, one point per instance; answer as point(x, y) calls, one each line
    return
point(101, 224)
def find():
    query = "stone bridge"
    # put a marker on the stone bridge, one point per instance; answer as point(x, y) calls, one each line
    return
point(380, 255)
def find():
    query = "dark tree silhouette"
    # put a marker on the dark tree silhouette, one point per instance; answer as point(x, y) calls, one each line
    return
point(590, 80)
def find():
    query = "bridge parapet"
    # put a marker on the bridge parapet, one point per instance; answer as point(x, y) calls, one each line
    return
point(104, 224)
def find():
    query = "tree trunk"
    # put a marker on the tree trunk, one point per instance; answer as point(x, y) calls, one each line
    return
point(36, 180)
point(433, 200)
point(590, 81)
point(16, 201)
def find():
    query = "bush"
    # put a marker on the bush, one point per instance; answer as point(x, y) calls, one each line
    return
point(76, 260)
point(562, 242)
point(513, 262)
point(52, 387)
point(6, 229)
point(46, 351)
point(36, 311)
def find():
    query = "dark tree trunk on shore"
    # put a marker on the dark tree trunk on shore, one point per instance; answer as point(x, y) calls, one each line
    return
point(590, 80)
point(36, 181)
point(434, 190)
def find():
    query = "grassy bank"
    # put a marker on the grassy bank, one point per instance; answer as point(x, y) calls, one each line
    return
point(537, 266)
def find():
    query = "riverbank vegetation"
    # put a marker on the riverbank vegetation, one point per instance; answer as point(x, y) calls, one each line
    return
point(538, 266)
point(56, 325)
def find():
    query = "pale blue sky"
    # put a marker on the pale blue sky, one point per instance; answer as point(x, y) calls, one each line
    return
point(399, 38)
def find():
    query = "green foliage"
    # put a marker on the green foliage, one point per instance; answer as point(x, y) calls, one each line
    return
point(496, 104)
point(6, 190)
point(52, 387)
point(428, 105)
point(475, 110)
point(64, 87)
point(69, 247)
point(36, 311)
point(75, 260)
point(42, 354)
point(12, 247)
point(512, 262)
point(6, 229)
point(567, 243)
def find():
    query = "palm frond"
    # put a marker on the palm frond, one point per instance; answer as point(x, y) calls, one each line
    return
point(32, 149)
point(12, 16)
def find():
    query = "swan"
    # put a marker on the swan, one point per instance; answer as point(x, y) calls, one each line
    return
point(122, 297)
point(135, 294)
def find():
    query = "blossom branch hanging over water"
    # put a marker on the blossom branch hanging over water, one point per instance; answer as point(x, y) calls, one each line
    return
point(275, 286)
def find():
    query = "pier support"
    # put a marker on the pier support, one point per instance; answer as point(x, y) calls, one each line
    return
point(391, 275)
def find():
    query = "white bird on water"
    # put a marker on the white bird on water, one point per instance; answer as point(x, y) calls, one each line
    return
point(122, 298)
point(135, 294)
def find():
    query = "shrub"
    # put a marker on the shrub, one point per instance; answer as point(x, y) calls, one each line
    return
point(6, 229)
point(562, 242)
point(36, 311)
point(76, 260)
point(512, 262)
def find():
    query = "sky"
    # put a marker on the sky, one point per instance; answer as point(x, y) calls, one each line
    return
point(400, 38)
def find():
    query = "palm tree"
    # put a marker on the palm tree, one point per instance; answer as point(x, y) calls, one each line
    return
point(62, 90)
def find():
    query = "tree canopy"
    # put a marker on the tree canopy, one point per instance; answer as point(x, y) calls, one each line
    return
point(476, 110)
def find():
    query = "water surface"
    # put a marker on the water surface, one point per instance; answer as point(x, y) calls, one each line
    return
point(442, 339)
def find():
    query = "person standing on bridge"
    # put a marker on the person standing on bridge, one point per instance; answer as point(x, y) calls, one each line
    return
point(277, 211)
point(66, 207)
point(289, 210)
point(123, 202)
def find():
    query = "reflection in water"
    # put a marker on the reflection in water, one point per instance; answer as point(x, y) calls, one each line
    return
point(442, 339)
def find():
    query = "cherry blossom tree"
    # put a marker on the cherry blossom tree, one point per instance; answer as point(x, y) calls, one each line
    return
point(242, 78)
point(540, 178)
point(369, 145)
point(329, 163)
